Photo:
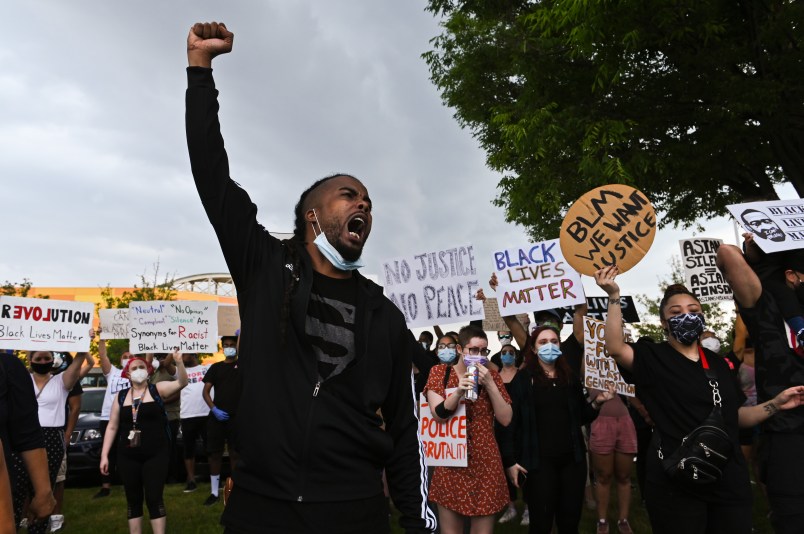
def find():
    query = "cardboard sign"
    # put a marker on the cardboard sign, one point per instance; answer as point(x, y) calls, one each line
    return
point(613, 224)
point(44, 324)
point(776, 224)
point(598, 308)
point(434, 287)
point(493, 321)
point(535, 277)
point(114, 323)
point(444, 443)
point(704, 279)
point(161, 326)
point(599, 368)
point(228, 320)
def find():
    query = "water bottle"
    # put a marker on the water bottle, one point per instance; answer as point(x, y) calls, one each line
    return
point(471, 367)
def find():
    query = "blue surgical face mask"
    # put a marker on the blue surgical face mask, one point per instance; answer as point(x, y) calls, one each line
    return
point(331, 253)
point(508, 359)
point(230, 352)
point(549, 352)
point(447, 355)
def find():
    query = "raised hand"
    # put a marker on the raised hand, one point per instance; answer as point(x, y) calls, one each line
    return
point(207, 40)
point(604, 278)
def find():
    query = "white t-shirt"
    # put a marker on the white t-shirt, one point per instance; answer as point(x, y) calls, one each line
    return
point(192, 396)
point(52, 401)
point(114, 384)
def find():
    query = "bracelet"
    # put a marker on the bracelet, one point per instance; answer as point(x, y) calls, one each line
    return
point(442, 411)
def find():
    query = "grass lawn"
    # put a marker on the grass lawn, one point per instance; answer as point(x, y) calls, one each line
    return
point(187, 514)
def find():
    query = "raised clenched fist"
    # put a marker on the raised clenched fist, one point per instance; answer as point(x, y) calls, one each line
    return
point(207, 40)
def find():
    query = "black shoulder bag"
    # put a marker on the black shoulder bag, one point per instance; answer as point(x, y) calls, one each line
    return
point(704, 452)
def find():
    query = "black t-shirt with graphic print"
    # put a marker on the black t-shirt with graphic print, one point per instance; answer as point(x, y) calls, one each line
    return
point(330, 325)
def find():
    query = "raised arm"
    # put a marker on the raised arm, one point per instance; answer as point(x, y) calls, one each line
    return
point(170, 388)
point(616, 346)
point(577, 321)
point(106, 365)
point(71, 373)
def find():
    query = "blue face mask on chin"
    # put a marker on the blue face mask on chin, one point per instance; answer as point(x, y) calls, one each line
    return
point(332, 254)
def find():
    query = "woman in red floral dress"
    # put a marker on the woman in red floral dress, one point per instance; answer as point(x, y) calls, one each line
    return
point(479, 490)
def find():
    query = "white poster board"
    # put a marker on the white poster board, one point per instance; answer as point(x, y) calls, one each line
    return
point(161, 326)
point(434, 287)
point(45, 324)
point(114, 323)
point(444, 443)
point(535, 277)
point(776, 224)
point(704, 279)
point(600, 369)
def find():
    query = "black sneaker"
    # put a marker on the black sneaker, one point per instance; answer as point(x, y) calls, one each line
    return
point(104, 492)
point(190, 487)
point(212, 499)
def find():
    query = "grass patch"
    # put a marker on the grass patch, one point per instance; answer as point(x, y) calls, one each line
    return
point(186, 513)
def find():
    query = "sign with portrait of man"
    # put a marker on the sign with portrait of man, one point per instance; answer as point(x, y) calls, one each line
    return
point(776, 224)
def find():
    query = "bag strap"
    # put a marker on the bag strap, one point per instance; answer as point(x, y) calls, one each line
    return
point(716, 399)
point(446, 377)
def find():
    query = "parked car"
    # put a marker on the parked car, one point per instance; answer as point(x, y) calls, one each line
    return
point(86, 442)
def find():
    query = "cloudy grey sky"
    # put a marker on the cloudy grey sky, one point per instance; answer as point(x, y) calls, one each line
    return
point(95, 175)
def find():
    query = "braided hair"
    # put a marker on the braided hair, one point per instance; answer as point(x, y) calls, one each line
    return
point(292, 254)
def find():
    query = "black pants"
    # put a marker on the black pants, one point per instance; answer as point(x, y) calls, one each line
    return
point(781, 468)
point(554, 492)
point(107, 479)
point(144, 480)
point(674, 511)
point(23, 488)
point(247, 512)
point(173, 466)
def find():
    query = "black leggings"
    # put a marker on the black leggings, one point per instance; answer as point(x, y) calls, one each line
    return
point(554, 492)
point(23, 489)
point(673, 510)
point(144, 480)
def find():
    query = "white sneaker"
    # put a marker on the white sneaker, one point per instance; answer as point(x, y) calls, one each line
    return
point(525, 518)
point(56, 523)
point(510, 513)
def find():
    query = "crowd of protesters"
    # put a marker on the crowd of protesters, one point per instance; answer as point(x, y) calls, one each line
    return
point(343, 406)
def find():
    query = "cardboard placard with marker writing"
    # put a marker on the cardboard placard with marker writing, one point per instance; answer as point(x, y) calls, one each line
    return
point(703, 278)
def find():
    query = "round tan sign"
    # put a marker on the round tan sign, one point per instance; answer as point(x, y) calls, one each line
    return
point(611, 225)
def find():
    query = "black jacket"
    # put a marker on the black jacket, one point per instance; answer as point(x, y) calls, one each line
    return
point(520, 441)
point(300, 441)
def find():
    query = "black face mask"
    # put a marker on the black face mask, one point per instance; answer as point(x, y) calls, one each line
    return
point(42, 368)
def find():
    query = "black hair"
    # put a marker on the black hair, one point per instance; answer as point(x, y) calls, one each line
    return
point(427, 334)
point(300, 224)
point(671, 291)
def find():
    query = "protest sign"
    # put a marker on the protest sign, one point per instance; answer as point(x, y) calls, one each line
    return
point(535, 277)
point(600, 369)
point(613, 224)
point(228, 320)
point(161, 326)
point(114, 323)
point(704, 279)
point(444, 443)
point(44, 324)
point(434, 287)
point(493, 321)
point(598, 308)
point(776, 224)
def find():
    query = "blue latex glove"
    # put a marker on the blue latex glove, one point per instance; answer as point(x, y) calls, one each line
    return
point(219, 414)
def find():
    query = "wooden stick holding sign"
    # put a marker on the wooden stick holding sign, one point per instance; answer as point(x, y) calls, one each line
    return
point(611, 225)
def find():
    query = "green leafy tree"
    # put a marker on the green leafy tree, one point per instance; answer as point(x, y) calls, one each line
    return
point(698, 103)
point(717, 319)
point(147, 289)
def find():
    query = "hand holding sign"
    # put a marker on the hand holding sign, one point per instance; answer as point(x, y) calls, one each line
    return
point(613, 224)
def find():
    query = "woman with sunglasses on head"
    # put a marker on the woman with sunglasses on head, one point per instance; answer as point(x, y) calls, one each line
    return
point(543, 449)
point(139, 423)
point(684, 386)
point(478, 490)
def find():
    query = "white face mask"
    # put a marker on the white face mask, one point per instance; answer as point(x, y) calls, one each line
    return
point(138, 376)
point(711, 343)
point(230, 352)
